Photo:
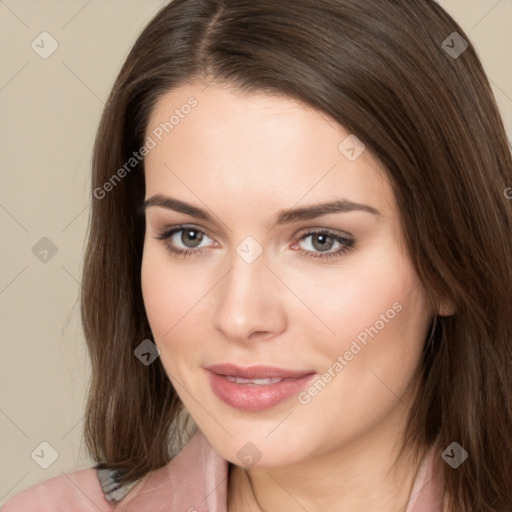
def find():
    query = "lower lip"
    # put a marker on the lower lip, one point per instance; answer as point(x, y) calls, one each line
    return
point(253, 397)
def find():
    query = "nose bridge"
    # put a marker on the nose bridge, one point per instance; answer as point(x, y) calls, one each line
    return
point(245, 302)
point(243, 279)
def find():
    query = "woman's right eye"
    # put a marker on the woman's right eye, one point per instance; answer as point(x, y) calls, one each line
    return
point(184, 240)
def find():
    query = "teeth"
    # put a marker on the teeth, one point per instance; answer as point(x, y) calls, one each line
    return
point(258, 382)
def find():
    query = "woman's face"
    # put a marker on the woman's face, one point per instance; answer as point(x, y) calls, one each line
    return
point(273, 277)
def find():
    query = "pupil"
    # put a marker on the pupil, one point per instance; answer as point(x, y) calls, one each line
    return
point(323, 242)
point(191, 238)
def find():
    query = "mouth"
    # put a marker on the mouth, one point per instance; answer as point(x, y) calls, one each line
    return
point(255, 382)
point(256, 388)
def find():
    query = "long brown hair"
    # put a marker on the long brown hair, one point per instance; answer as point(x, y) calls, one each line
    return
point(388, 72)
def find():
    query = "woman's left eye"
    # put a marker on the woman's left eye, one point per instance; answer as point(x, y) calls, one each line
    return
point(189, 240)
point(324, 244)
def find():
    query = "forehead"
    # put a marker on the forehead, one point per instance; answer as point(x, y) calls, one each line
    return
point(267, 148)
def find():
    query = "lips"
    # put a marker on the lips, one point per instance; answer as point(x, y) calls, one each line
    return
point(256, 388)
point(257, 371)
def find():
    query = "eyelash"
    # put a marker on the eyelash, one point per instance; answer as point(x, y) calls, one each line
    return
point(347, 243)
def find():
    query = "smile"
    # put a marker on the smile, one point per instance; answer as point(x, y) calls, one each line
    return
point(256, 388)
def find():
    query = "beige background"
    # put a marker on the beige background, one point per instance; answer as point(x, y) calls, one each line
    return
point(50, 110)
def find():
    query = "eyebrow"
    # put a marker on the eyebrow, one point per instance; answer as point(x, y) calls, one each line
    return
point(284, 217)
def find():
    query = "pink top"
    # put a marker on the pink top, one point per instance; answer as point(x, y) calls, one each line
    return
point(195, 480)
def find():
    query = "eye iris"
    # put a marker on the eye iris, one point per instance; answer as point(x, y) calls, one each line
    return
point(322, 242)
point(191, 237)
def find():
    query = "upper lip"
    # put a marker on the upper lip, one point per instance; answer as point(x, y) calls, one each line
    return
point(256, 372)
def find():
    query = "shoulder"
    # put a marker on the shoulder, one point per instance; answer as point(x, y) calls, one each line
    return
point(195, 479)
point(79, 491)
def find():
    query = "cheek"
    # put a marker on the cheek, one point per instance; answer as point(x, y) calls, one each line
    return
point(156, 291)
point(372, 287)
point(377, 350)
point(171, 293)
point(373, 314)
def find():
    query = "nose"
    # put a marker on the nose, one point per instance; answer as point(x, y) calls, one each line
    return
point(249, 303)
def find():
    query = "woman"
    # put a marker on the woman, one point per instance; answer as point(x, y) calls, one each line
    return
point(296, 292)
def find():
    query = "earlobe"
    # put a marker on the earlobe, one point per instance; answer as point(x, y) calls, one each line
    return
point(442, 306)
point(446, 308)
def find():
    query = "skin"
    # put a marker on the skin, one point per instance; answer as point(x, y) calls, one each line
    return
point(244, 158)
